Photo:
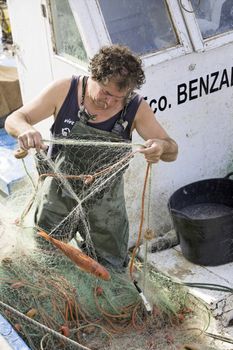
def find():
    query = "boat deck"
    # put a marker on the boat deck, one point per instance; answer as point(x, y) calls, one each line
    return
point(172, 263)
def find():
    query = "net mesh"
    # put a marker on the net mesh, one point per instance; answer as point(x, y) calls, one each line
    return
point(93, 313)
point(83, 178)
point(51, 302)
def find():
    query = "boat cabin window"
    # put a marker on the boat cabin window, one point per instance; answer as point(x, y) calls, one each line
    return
point(214, 16)
point(67, 39)
point(159, 30)
point(144, 26)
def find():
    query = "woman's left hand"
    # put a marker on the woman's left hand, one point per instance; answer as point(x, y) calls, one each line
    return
point(153, 150)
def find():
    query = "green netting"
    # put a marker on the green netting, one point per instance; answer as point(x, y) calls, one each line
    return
point(46, 287)
point(53, 304)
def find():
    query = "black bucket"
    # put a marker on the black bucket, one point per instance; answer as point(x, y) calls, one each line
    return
point(202, 214)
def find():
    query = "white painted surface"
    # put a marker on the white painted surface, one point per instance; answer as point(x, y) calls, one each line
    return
point(202, 126)
point(172, 263)
point(3, 344)
point(31, 46)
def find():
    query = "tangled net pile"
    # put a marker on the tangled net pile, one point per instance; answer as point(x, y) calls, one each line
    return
point(54, 305)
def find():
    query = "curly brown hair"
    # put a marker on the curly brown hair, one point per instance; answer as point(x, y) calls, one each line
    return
point(119, 64)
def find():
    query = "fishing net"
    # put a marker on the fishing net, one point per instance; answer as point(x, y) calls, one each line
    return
point(84, 177)
point(98, 314)
point(51, 302)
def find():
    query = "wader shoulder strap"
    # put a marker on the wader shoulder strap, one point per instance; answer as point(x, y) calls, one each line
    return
point(83, 114)
point(122, 122)
point(84, 84)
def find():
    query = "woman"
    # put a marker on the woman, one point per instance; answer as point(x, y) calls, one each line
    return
point(102, 106)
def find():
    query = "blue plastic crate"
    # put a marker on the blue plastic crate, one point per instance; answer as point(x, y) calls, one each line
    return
point(11, 169)
point(11, 336)
point(6, 140)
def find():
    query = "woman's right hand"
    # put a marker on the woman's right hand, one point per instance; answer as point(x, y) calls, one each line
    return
point(31, 139)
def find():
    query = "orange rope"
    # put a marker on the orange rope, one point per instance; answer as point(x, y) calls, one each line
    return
point(87, 178)
point(141, 221)
point(99, 173)
point(113, 320)
point(119, 315)
point(135, 315)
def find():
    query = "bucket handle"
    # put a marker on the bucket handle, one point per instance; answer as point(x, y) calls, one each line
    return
point(228, 175)
point(179, 213)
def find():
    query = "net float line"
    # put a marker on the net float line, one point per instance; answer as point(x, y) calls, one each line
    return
point(83, 261)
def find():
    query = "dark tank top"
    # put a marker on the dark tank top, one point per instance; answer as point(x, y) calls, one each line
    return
point(68, 115)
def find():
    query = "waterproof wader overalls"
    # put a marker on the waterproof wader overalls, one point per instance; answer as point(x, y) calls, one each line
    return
point(105, 211)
